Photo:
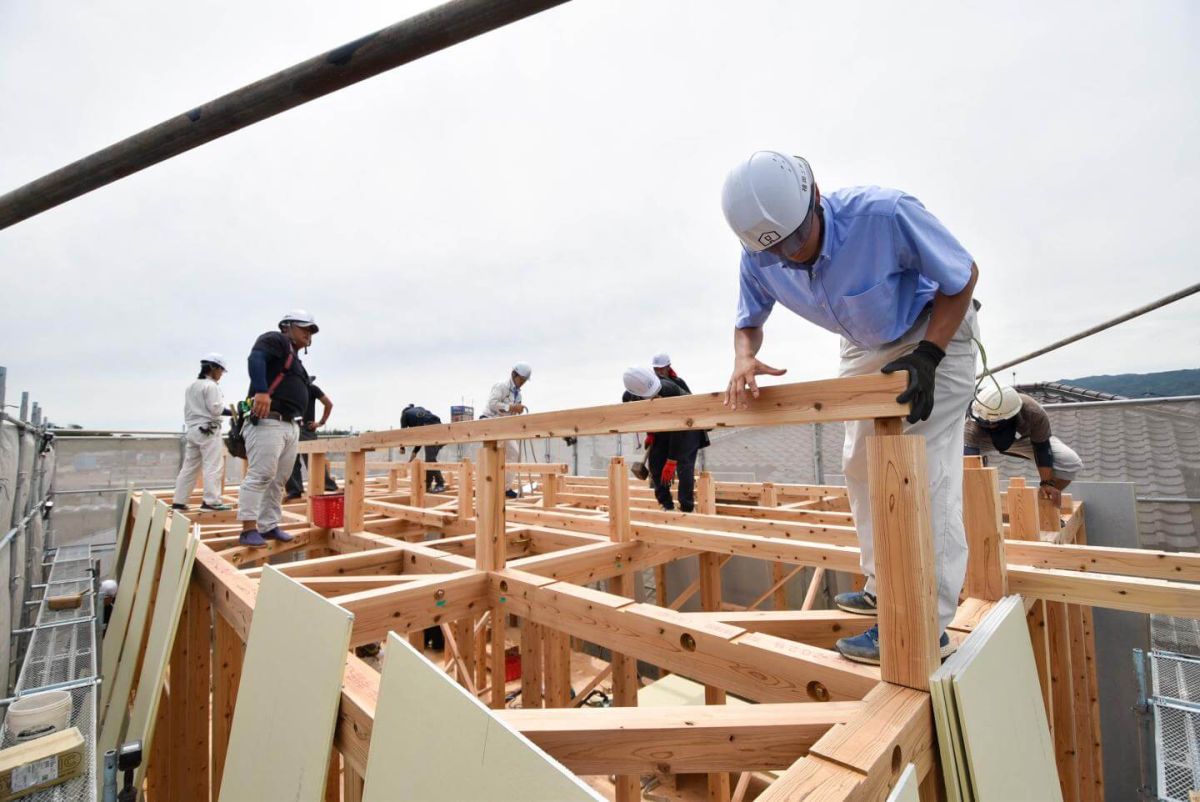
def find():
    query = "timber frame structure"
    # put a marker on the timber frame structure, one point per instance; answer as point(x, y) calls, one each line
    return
point(833, 729)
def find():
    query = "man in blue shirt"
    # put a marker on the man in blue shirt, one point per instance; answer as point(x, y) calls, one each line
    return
point(874, 266)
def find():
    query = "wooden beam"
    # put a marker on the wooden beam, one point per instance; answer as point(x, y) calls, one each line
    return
point(490, 547)
point(1134, 594)
point(833, 535)
point(837, 558)
point(815, 627)
point(849, 398)
point(1143, 563)
point(419, 515)
point(987, 577)
point(904, 566)
point(414, 605)
point(675, 740)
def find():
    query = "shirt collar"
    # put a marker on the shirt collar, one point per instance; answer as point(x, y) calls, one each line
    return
point(826, 234)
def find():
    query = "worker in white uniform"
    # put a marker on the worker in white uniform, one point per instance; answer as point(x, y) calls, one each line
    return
point(505, 400)
point(874, 266)
point(203, 406)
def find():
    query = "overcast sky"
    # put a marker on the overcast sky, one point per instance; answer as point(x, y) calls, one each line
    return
point(550, 192)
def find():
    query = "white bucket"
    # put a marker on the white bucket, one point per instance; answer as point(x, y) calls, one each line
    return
point(38, 714)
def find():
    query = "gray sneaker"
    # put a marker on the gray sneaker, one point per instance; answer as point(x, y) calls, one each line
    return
point(858, 601)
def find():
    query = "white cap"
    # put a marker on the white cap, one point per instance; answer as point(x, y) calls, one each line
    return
point(661, 361)
point(642, 382)
point(302, 317)
point(767, 197)
point(216, 359)
point(995, 404)
point(523, 370)
point(108, 587)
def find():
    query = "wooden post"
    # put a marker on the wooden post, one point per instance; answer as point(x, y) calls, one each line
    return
point(556, 652)
point(987, 574)
point(710, 601)
point(550, 483)
point(769, 497)
point(1039, 639)
point(466, 491)
point(333, 778)
point(1093, 693)
point(624, 678)
point(706, 494)
point(490, 550)
point(1058, 631)
point(1023, 521)
point(904, 566)
point(393, 479)
point(316, 480)
point(175, 738)
point(464, 639)
point(1081, 705)
point(531, 664)
point(352, 785)
point(355, 490)
point(1048, 520)
point(228, 654)
point(416, 482)
point(197, 690)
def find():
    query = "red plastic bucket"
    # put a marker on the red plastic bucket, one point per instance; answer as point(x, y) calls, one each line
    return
point(512, 667)
point(329, 510)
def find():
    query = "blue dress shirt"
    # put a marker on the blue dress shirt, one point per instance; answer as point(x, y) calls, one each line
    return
point(883, 259)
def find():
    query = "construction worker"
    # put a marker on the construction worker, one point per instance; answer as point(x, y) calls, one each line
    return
point(1005, 421)
point(670, 454)
point(874, 266)
point(505, 400)
point(308, 431)
point(661, 363)
point(278, 393)
point(414, 415)
point(202, 451)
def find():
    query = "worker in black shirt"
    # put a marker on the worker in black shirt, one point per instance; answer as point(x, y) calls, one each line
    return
point(419, 416)
point(662, 369)
point(671, 453)
point(278, 394)
point(308, 431)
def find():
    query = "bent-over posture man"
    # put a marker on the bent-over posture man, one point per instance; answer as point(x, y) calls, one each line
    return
point(670, 454)
point(414, 415)
point(874, 266)
point(505, 400)
point(1007, 422)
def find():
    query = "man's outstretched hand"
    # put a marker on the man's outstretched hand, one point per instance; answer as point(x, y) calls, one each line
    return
point(742, 384)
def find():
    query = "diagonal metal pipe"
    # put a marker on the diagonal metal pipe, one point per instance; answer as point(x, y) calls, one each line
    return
point(428, 32)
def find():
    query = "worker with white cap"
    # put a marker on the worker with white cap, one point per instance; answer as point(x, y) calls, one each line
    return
point(661, 363)
point(1007, 422)
point(279, 387)
point(874, 266)
point(203, 406)
point(671, 454)
point(505, 400)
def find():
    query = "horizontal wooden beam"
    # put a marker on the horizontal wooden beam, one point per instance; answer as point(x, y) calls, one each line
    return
point(752, 665)
point(814, 627)
point(598, 561)
point(1104, 560)
point(419, 515)
point(850, 398)
point(834, 558)
point(830, 534)
point(1105, 590)
point(674, 740)
point(415, 605)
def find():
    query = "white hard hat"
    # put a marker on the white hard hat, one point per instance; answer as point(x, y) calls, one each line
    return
point(660, 361)
point(523, 370)
point(994, 404)
point(108, 587)
point(767, 197)
point(216, 359)
point(642, 382)
point(302, 317)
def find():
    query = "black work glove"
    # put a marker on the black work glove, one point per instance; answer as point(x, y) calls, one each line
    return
point(921, 365)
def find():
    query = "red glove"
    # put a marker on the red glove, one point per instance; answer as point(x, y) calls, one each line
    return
point(668, 472)
point(649, 441)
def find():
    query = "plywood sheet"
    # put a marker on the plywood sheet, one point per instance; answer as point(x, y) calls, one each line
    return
point(1003, 720)
point(908, 787)
point(950, 745)
point(676, 690)
point(282, 731)
point(130, 650)
point(172, 590)
point(435, 742)
point(118, 622)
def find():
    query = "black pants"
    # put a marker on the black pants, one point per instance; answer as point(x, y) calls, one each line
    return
point(295, 482)
point(432, 477)
point(685, 473)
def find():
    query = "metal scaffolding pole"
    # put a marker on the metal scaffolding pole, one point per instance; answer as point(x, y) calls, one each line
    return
point(427, 32)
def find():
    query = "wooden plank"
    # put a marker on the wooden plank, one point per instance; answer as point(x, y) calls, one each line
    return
point(675, 740)
point(197, 689)
point(1035, 619)
point(293, 712)
point(172, 593)
point(710, 601)
point(228, 657)
point(316, 481)
point(1023, 522)
point(556, 652)
point(353, 488)
point(1062, 715)
point(848, 398)
point(1144, 563)
point(836, 558)
point(1181, 599)
point(489, 549)
point(466, 491)
point(1093, 694)
point(820, 628)
point(987, 577)
point(135, 562)
point(1081, 705)
point(624, 668)
point(904, 565)
point(832, 534)
point(531, 665)
point(405, 512)
point(433, 741)
point(414, 606)
point(129, 662)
